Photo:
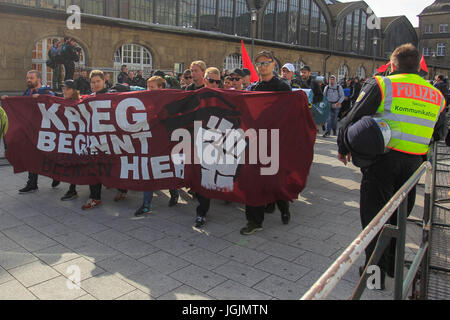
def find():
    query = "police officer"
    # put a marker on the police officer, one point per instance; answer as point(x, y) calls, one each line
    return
point(411, 107)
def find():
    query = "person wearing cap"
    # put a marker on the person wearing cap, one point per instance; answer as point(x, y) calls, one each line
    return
point(306, 82)
point(288, 73)
point(246, 78)
point(197, 72)
point(399, 99)
point(236, 78)
point(70, 92)
point(335, 96)
point(265, 64)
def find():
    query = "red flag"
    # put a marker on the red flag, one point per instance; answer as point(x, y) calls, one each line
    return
point(423, 64)
point(384, 67)
point(247, 62)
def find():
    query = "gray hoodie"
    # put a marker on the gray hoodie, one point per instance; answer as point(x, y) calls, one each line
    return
point(334, 94)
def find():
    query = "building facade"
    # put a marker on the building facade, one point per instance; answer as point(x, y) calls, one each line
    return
point(434, 35)
point(331, 37)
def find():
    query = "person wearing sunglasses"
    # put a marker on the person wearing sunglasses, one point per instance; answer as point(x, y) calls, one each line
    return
point(186, 79)
point(265, 64)
point(212, 78)
point(236, 78)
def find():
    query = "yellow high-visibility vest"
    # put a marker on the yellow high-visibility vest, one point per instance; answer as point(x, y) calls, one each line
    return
point(3, 122)
point(411, 106)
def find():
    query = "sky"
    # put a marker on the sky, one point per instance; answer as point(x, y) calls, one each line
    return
point(408, 8)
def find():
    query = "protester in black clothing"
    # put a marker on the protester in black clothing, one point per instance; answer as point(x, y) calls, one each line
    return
point(140, 80)
point(265, 64)
point(197, 72)
point(108, 83)
point(356, 90)
point(306, 82)
point(98, 86)
point(131, 81)
point(70, 55)
point(82, 83)
point(347, 103)
point(441, 84)
point(186, 79)
point(123, 75)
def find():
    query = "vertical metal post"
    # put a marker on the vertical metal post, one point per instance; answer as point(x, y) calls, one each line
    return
point(402, 213)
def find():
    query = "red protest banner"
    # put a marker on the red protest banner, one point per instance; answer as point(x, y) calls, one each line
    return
point(247, 147)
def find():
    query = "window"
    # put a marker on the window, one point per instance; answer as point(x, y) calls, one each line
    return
point(39, 59)
point(361, 73)
point(363, 33)
point(294, 7)
point(52, 4)
point(135, 57)
point(342, 72)
point(207, 14)
point(233, 61)
point(315, 16)
point(356, 28)
point(440, 50)
point(323, 40)
point(166, 12)
point(141, 10)
point(242, 19)
point(282, 21)
point(93, 7)
point(426, 52)
point(348, 33)
point(428, 28)
point(269, 21)
point(443, 28)
point(188, 13)
point(226, 16)
point(304, 22)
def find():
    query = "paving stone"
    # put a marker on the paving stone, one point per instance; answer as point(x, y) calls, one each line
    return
point(110, 237)
point(136, 248)
point(56, 289)
point(315, 246)
point(75, 240)
point(198, 278)
point(14, 290)
point(146, 234)
point(281, 288)
point(312, 233)
point(55, 230)
point(164, 262)
point(86, 297)
point(33, 273)
point(280, 250)
point(173, 246)
point(153, 282)
point(4, 276)
point(29, 238)
point(86, 267)
point(6, 243)
point(55, 255)
point(96, 251)
point(12, 258)
point(136, 295)
point(283, 268)
point(243, 255)
point(122, 265)
point(38, 221)
point(231, 290)
point(209, 242)
point(204, 259)
point(9, 221)
point(185, 293)
point(106, 286)
point(314, 261)
point(245, 241)
point(241, 273)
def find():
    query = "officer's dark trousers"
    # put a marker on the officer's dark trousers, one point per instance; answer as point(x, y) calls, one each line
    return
point(69, 70)
point(255, 214)
point(379, 183)
point(32, 179)
point(203, 205)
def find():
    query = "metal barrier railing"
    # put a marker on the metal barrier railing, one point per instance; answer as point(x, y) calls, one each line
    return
point(398, 203)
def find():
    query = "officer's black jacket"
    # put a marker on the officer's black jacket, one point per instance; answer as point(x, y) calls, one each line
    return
point(370, 100)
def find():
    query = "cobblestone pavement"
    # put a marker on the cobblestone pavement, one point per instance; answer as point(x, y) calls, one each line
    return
point(44, 242)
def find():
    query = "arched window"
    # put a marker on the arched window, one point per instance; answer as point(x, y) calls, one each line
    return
point(304, 22)
point(232, 61)
point(294, 7)
point(207, 14)
point(139, 10)
point(269, 21)
point(135, 57)
point(352, 34)
point(226, 16)
point(282, 20)
point(166, 12)
point(40, 57)
point(342, 72)
point(361, 73)
point(299, 64)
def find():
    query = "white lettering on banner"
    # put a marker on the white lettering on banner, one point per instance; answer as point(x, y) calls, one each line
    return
point(49, 116)
point(99, 116)
point(161, 167)
point(140, 118)
point(46, 141)
point(73, 116)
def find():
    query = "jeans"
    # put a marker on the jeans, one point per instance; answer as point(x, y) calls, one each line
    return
point(57, 77)
point(332, 120)
point(148, 197)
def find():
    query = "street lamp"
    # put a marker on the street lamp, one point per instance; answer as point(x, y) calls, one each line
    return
point(253, 17)
point(374, 42)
